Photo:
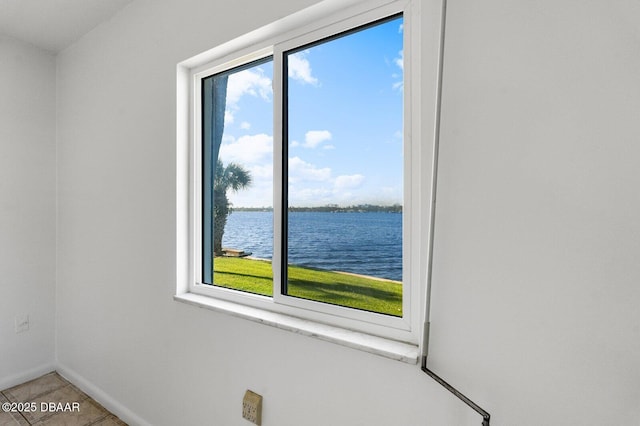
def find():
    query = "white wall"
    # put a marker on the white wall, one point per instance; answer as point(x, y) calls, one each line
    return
point(536, 295)
point(535, 273)
point(27, 209)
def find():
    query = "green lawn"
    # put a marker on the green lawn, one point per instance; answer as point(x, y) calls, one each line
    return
point(355, 291)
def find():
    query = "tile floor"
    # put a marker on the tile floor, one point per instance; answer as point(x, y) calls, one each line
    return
point(71, 407)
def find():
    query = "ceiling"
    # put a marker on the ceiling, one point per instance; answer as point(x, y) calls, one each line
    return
point(54, 24)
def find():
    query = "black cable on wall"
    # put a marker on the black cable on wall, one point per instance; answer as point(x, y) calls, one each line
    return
point(486, 417)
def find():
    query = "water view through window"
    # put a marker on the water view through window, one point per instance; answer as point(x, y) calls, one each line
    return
point(343, 189)
point(345, 168)
point(242, 176)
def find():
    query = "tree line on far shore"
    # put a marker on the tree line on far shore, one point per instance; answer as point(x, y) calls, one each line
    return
point(331, 208)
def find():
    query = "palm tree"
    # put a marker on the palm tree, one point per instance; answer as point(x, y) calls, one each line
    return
point(233, 177)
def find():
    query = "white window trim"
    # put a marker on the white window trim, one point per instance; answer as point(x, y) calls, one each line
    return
point(396, 338)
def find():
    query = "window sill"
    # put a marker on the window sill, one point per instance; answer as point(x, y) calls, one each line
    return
point(387, 348)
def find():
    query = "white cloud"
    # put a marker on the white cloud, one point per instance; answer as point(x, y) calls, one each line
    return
point(310, 196)
point(301, 170)
point(294, 144)
point(262, 172)
point(245, 125)
point(228, 117)
point(259, 194)
point(300, 68)
point(227, 138)
point(391, 192)
point(327, 191)
point(255, 154)
point(328, 147)
point(315, 137)
point(249, 149)
point(348, 181)
point(251, 81)
point(399, 61)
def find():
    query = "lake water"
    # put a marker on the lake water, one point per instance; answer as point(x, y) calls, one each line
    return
point(361, 243)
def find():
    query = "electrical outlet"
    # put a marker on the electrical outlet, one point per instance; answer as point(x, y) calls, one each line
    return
point(22, 323)
point(252, 407)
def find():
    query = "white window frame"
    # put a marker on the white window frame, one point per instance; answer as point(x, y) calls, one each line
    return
point(352, 327)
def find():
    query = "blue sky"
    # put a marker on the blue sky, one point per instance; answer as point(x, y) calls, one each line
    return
point(345, 122)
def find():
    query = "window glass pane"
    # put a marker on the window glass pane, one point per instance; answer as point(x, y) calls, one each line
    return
point(344, 191)
point(238, 178)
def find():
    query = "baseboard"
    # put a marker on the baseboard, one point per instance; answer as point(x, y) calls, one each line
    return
point(25, 376)
point(107, 401)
